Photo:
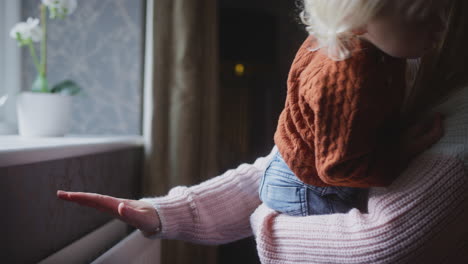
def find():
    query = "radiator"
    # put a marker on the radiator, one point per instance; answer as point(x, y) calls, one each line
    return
point(133, 248)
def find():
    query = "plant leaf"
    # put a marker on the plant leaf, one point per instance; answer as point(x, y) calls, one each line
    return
point(67, 87)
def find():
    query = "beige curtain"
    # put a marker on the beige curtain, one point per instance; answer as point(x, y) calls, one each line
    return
point(183, 126)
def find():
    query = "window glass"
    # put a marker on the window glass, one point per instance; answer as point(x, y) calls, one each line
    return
point(100, 47)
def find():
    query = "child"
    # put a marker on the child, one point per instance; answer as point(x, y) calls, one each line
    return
point(339, 132)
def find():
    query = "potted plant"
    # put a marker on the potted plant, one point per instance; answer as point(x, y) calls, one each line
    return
point(44, 110)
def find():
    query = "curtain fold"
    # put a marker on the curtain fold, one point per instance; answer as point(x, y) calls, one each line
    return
point(183, 129)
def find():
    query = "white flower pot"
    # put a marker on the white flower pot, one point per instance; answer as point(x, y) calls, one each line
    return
point(43, 114)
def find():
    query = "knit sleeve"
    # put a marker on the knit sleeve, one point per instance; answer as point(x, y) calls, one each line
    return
point(216, 211)
point(356, 129)
point(421, 218)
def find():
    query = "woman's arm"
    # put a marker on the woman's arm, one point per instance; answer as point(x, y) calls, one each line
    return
point(402, 222)
point(215, 211)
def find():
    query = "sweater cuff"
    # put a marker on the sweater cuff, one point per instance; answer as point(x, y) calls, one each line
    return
point(258, 217)
point(177, 215)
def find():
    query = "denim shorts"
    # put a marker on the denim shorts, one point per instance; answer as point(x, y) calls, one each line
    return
point(282, 191)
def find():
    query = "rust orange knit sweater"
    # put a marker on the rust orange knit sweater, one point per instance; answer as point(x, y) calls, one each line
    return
point(339, 126)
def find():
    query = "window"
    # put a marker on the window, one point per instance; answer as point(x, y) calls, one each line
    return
point(100, 47)
point(9, 65)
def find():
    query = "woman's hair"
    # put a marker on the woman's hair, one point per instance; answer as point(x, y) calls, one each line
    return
point(443, 71)
point(332, 22)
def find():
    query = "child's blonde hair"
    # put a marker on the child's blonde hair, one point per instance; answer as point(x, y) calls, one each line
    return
point(332, 22)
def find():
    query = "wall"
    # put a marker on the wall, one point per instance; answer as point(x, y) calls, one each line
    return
point(100, 46)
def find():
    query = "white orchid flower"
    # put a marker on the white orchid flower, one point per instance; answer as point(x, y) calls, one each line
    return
point(60, 8)
point(26, 32)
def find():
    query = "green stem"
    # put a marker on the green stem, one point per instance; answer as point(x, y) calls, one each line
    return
point(34, 56)
point(43, 70)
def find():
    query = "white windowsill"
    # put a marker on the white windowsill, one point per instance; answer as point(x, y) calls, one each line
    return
point(16, 150)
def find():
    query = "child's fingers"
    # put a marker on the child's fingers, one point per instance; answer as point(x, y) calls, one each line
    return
point(437, 129)
point(423, 127)
point(419, 128)
point(431, 135)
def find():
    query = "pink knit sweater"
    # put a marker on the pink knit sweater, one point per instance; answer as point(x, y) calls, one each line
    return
point(420, 218)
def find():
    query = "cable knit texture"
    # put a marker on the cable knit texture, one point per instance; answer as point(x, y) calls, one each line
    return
point(420, 218)
point(340, 119)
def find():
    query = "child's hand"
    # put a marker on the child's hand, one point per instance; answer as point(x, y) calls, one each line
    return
point(139, 214)
point(422, 135)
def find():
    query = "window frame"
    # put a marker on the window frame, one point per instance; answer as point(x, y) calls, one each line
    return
point(10, 65)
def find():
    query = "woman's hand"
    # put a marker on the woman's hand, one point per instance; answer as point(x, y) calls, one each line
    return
point(139, 214)
point(420, 136)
